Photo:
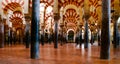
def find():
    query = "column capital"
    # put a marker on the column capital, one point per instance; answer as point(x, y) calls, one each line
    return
point(56, 16)
point(81, 24)
point(115, 16)
point(42, 25)
point(51, 30)
point(27, 16)
point(86, 16)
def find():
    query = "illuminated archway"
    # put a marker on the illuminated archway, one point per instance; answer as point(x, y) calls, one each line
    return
point(70, 35)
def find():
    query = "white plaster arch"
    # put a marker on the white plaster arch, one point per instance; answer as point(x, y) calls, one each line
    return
point(118, 24)
point(118, 21)
point(68, 34)
point(70, 30)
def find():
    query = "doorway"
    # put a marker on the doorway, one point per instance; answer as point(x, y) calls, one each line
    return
point(70, 36)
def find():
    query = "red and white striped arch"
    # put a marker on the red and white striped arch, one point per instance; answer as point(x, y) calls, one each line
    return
point(64, 3)
point(18, 15)
point(12, 4)
point(17, 19)
point(6, 2)
point(71, 16)
point(71, 19)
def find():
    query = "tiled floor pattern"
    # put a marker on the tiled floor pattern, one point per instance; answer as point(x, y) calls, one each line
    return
point(66, 54)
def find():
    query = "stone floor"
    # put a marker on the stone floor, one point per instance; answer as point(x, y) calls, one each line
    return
point(66, 54)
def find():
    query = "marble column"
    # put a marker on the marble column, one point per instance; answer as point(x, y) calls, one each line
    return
point(27, 32)
point(43, 34)
point(80, 36)
point(1, 34)
point(105, 32)
point(115, 33)
point(5, 31)
point(56, 18)
point(34, 51)
point(86, 34)
point(86, 16)
point(92, 29)
point(61, 26)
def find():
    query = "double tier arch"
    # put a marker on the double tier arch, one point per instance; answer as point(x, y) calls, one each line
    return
point(13, 10)
point(17, 20)
point(72, 12)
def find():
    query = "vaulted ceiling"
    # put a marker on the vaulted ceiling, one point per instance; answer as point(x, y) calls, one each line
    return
point(73, 11)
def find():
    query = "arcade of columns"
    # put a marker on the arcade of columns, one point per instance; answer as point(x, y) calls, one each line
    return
point(60, 17)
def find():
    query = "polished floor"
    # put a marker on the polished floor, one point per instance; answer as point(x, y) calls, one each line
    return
point(66, 54)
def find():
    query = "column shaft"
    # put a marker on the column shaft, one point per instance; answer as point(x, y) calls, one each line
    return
point(27, 33)
point(56, 34)
point(105, 33)
point(1, 35)
point(115, 37)
point(80, 37)
point(35, 29)
point(115, 33)
point(86, 34)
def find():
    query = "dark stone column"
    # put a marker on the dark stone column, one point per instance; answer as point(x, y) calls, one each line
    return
point(27, 31)
point(61, 36)
point(115, 34)
point(86, 16)
point(1, 34)
point(5, 31)
point(9, 35)
point(92, 38)
point(35, 29)
point(27, 34)
point(43, 34)
point(105, 32)
point(80, 37)
point(80, 32)
point(86, 34)
point(56, 18)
